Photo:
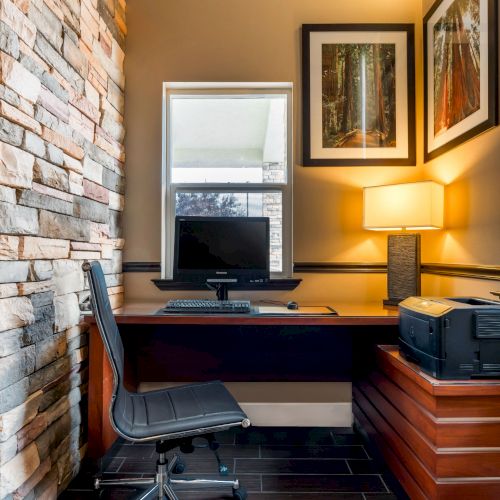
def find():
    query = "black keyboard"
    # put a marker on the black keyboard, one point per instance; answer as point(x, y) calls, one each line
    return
point(207, 306)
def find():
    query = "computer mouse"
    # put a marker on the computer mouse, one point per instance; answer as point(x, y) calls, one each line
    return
point(292, 305)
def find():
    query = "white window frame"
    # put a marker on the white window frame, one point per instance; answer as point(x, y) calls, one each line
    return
point(169, 189)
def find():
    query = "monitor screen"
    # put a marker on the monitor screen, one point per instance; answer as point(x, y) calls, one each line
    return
point(212, 248)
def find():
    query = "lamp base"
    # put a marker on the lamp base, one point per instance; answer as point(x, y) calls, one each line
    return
point(391, 302)
point(403, 267)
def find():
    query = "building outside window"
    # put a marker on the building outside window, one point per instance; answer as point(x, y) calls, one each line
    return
point(227, 151)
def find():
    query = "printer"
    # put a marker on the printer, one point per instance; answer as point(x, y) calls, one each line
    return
point(451, 338)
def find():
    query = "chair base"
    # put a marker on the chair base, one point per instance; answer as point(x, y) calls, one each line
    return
point(161, 486)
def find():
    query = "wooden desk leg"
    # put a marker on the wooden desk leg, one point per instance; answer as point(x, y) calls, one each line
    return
point(100, 433)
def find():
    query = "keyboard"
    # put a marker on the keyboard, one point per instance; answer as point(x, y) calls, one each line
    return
point(205, 306)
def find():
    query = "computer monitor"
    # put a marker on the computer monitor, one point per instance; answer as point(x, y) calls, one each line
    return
point(221, 250)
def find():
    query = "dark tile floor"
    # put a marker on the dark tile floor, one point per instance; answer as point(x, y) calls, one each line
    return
point(272, 464)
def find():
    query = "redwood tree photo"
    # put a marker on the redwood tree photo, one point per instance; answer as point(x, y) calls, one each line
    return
point(359, 95)
point(456, 64)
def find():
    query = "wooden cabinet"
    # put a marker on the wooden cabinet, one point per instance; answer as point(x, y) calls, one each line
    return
point(441, 438)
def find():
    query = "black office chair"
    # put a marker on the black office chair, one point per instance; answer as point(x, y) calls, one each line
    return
point(171, 417)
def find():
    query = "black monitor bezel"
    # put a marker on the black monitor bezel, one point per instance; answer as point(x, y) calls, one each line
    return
point(202, 275)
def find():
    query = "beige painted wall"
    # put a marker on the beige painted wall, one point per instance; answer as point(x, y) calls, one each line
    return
point(259, 40)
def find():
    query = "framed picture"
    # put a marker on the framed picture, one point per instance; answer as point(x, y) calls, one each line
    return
point(460, 72)
point(358, 94)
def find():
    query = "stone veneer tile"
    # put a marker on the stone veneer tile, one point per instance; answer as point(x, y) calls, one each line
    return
point(54, 193)
point(7, 194)
point(16, 116)
point(18, 417)
point(15, 312)
point(16, 366)
point(7, 290)
point(15, 76)
point(11, 133)
point(38, 200)
point(29, 485)
point(60, 226)
point(53, 104)
point(9, 247)
point(65, 143)
point(92, 170)
point(16, 166)
point(15, 219)
point(50, 175)
point(18, 470)
point(34, 144)
point(13, 271)
point(8, 450)
point(10, 341)
point(32, 247)
point(68, 277)
point(32, 287)
point(95, 191)
point(41, 270)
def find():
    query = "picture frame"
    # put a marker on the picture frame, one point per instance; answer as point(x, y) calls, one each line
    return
point(460, 86)
point(358, 95)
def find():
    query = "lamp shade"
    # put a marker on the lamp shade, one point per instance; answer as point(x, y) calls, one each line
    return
point(415, 205)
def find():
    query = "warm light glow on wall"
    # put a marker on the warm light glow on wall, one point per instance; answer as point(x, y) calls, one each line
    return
point(416, 205)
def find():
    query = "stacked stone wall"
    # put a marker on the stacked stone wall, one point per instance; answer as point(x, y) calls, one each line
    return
point(61, 197)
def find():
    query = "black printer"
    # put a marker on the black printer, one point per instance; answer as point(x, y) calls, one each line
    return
point(451, 338)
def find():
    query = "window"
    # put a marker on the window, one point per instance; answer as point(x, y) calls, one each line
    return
point(227, 151)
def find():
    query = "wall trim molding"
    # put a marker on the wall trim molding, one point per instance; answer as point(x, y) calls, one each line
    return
point(340, 267)
point(456, 270)
point(463, 271)
point(141, 267)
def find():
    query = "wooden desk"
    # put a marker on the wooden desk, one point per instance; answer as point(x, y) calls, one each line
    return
point(441, 438)
point(155, 344)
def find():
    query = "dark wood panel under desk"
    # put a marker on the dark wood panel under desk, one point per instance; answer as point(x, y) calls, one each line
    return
point(253, 353)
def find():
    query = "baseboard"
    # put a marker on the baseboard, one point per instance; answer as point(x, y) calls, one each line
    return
point(288, 404)
point(299, 414)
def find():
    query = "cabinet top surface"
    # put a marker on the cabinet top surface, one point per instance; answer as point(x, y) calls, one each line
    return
point(389, 355)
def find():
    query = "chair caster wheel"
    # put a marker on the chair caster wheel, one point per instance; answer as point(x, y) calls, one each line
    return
point(223, 470)
point(179, 467)
point(240, 493)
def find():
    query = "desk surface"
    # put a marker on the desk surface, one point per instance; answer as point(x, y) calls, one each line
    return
point(368, 313)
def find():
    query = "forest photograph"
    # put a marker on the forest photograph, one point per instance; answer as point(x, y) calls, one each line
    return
point(358, 95)
point(456, 47)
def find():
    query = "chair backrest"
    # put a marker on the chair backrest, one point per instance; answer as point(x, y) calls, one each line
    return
point(105, 319)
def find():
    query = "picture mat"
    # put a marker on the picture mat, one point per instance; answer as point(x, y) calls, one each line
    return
point(317, 39)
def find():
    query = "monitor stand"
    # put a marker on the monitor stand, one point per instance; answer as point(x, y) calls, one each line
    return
point(222, 291)
point(220, 285)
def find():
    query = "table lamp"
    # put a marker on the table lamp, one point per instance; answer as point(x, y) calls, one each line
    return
point(401, 207)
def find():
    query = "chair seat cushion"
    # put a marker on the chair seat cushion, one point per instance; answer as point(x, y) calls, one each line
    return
point(187, 409)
